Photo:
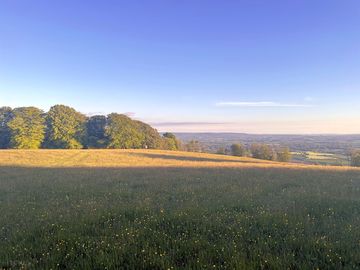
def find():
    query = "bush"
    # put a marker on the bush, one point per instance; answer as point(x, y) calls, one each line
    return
point(283, 154)
point(355, 158)
point(237, 150)
point(262, 151)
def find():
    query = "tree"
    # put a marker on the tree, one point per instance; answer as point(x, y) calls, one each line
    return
point(5, 135)
point(170, 142)
point(27, 128)
point(66, 128)
point(355, 158)
point(193, 146)
point(237, 150)
point(152, 138)
point(95, 127)
point(283, 154)
point(63, 127)
point(221, 151)
point(122, 132)
point(262, 151)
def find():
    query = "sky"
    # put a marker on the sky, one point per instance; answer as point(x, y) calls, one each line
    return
point(281, 66)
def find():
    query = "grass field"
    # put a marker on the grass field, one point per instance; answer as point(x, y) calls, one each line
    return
point(317, 158)
point(137, 209)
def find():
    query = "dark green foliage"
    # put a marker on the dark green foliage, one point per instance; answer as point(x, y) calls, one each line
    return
point(283, 154)
point(123, 133)
point(238, 150)
point(27, 128)
point(152, 139)
point(5, 135)
point(179, 218)
point(262, 151)
point(169, 135)
point(96, 126)
point(66, 128)
point(355, 158)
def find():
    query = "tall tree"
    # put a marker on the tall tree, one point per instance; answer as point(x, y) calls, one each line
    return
point(193, 146)
point(5, 135)
point(96, 137)
point(283, 154)
point(355, 158)
point(122, 132)
point(152, 138)
point(237, 150)
point(170, 142)
point(66, 128)
point(27, 128)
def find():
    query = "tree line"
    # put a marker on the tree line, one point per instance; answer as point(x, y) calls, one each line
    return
point(62, 127)
point(258, 151)
point(267, 152)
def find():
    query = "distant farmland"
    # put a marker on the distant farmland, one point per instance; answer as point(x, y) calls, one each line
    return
point(142, 209)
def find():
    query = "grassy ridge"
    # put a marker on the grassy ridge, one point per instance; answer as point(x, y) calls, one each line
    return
point(168, 210)
point(141, 158)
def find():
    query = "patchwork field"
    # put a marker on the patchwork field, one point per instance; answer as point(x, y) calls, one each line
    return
point(143, 209)
point(310, 157)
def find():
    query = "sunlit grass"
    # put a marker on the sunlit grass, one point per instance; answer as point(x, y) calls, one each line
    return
point(138, 158)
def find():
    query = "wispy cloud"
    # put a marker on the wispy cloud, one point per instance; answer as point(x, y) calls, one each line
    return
point(268, 126)
point(260, 104)
point(309, 99)
point(165, 124)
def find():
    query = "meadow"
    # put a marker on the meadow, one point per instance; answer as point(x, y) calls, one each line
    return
point(143, 209)
point(318, 158)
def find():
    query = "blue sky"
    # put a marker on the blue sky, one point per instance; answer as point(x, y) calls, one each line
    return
point(240, 66)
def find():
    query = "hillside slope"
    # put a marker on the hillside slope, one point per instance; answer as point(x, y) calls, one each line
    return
point(138, 158)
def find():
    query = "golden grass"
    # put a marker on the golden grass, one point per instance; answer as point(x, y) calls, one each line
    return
point(138, 158)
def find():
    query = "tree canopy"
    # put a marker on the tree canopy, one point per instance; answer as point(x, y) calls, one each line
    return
point(170, 141)
point(122, 132)
point(63, 127)
point(5, 134)
point(237, 149)
point(193, 146)
point(152, 138)
point(262, 151)
point(96, 126)
point(283, 154)
point(27, 128)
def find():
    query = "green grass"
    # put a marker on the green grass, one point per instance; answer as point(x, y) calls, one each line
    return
point(179, 218)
